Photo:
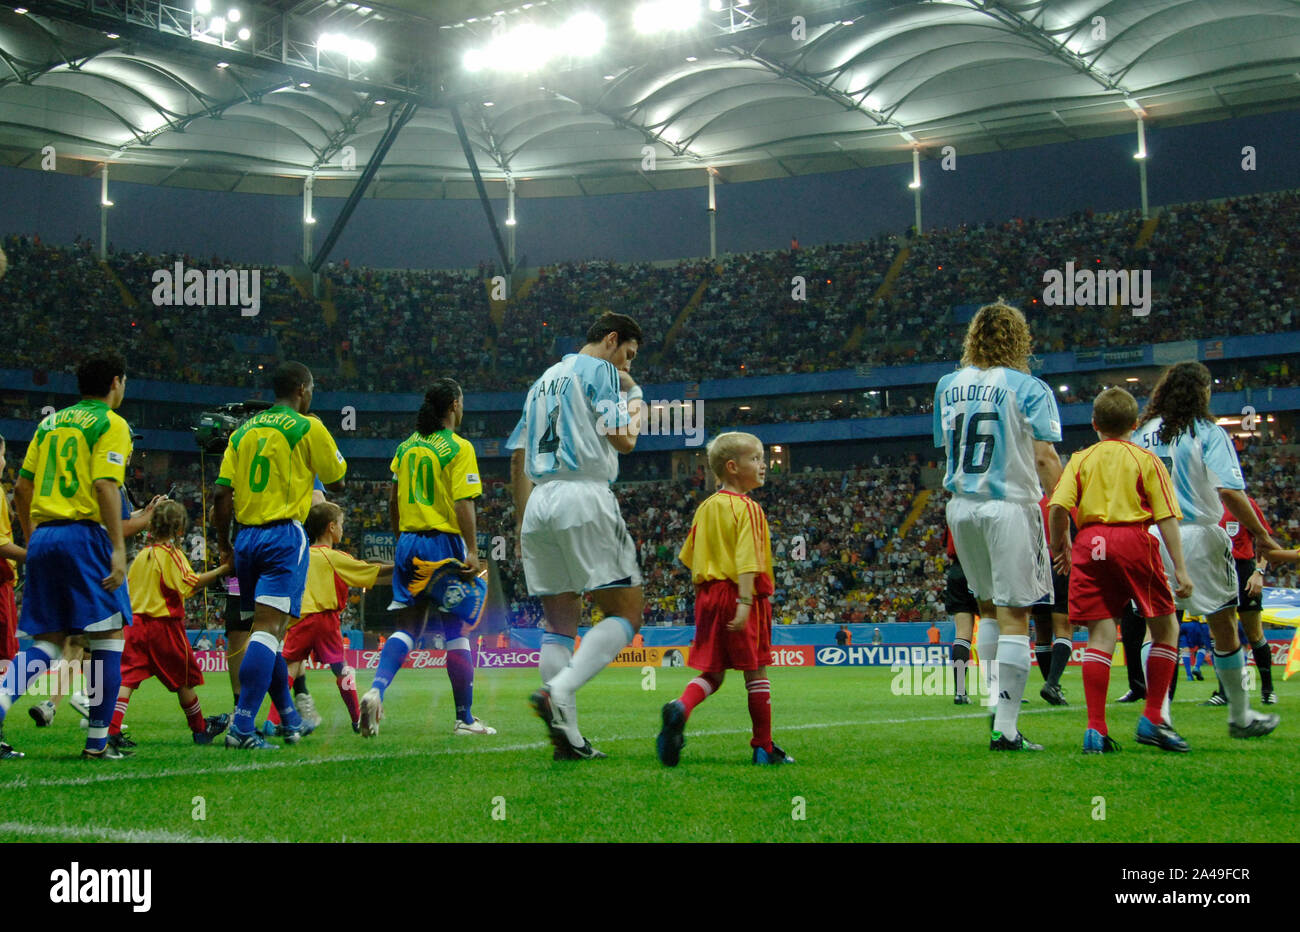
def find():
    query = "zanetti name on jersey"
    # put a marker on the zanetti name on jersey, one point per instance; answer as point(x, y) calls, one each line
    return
point(557, 387)
point(959, 393)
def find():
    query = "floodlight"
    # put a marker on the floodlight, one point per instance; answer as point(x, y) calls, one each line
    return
point(583, 34)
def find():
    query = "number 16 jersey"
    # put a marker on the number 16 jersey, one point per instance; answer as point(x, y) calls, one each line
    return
point(987, 421)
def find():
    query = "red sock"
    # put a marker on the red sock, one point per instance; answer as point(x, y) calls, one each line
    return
point(273, 715)
point(348, 690)
point(193, 714)
point(697, 690)
point(760, 713)
point(119, 713)
point(1162, 664)
point(1096, 680)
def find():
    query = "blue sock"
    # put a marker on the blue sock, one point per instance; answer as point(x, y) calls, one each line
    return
point(390, 661)
point(254, 679)
point(1200, 659)
point(26, 667)
point(102, 687)
point(460, 670)
point(1187, 664)
point(280, 695)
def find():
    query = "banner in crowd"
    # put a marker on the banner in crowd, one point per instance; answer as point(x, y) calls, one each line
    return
point(378, 546)
point(651, 657)
point(890, 655)
point(875, 655)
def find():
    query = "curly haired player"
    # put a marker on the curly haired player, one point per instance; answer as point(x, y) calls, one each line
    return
point(997, 424)
point(729, 554)
point(1199, 455)
point(431, 508)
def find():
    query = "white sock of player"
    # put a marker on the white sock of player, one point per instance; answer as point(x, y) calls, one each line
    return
point(557, 651)
point(986, 643)
point(1013, 673)
point(1229, 668)
point(598, 648)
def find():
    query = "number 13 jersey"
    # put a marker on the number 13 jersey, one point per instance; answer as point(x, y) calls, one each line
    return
point(987, 421)
point(72, 448)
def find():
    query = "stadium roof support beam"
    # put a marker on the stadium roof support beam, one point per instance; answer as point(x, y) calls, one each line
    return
point(822, 89)
point(677, 149)
point(395, 123)
point(482, 191)
point(336, 141)
point(1057, 49)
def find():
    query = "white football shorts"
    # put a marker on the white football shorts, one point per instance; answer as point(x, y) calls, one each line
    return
point(575, 540)
point(1207, 551)
point(1003, 550)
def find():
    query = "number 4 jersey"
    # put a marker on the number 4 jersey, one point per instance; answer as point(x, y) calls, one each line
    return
point(72, 448)
point(567, 414)
point(987, 420)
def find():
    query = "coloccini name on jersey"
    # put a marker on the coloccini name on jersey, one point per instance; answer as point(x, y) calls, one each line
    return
point(959, 393)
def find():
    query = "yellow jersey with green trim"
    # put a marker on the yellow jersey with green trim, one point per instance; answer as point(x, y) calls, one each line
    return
point(72, 448)
point(433, 472)
point(272, 461)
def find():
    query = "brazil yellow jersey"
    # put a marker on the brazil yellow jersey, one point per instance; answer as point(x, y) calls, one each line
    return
point(433, 472)
point(72, 448)
point(272, 461)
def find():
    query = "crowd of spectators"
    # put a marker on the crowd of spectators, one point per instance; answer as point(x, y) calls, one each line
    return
point(1221, 267)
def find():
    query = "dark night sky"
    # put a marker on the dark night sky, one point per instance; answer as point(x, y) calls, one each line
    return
point(1187, 163)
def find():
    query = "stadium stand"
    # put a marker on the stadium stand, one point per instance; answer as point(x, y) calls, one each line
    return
point(378, 331)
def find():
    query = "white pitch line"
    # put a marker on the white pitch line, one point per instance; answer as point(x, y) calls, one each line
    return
point(23, 782)
point(100, 833)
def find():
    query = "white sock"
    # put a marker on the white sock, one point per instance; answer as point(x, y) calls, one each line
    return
point(1013, 673)
point(1230, 668)
point(598, 648)
point(557, 651)
point(986, 644)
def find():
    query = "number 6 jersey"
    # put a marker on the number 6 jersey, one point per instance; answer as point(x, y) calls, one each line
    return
point(987, 421)
point(272, 462)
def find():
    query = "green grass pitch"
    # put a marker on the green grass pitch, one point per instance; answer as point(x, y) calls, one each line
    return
point(872, 766)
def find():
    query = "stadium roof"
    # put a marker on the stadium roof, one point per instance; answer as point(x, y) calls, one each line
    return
point(157, 92)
